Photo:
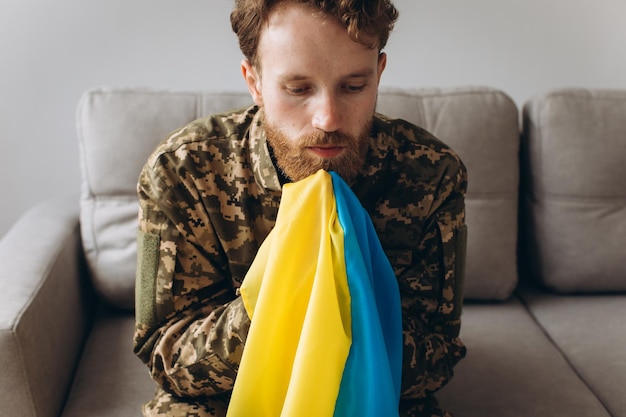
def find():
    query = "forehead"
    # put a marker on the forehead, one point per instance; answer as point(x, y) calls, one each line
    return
point(298, 37)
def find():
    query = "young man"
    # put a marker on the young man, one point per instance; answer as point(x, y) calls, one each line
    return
point(209, 195)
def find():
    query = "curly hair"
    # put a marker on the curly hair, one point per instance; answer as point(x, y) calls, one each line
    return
point(368, 22)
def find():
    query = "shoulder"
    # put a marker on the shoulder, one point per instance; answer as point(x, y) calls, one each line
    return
point(212, 133)
point(413, 149)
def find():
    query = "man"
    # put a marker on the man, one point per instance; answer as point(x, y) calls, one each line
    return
point(209, 196)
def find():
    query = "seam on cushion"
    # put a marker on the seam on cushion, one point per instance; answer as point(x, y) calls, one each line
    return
point(491, 196)
point(444, 92)
point(95, 241)
point(29, 392)
point(86, 191)
point(199, 108)
point(539, 151)
point(590, 94)
point(116, 197)
point(84, 102)
point(581, 199)
point(566, 358)
point(422, 109)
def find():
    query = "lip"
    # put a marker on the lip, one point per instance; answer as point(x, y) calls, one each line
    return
point(327, 152)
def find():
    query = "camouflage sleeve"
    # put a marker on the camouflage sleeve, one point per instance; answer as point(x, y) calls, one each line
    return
point(432, 293)
point(190, 327)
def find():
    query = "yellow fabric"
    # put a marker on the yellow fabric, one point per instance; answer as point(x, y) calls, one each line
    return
point(296, 293)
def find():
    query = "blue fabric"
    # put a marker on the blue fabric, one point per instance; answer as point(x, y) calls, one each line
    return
point(370, 385)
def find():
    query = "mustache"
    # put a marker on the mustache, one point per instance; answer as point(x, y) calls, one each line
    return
point(326, 138)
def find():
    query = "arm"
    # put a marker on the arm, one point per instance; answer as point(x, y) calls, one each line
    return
point(190, 327)
point(432, 293)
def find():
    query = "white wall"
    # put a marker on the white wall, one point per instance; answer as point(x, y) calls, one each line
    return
point(524, 47)
point(50, 52)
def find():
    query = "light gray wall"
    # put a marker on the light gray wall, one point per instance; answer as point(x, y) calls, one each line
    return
point(50, 52)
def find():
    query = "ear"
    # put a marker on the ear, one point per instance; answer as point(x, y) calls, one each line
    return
point(253, 81)
point(382, 63)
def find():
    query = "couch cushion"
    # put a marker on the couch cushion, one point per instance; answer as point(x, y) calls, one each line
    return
point(574, 216)
point(591, 332)
point(110, 381)
point(117, 130)
point(512, 369)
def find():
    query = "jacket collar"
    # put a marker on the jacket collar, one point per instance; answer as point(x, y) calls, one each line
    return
point(264, 170)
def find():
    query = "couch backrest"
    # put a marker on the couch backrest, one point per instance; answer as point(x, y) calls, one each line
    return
point(574, 190)
point(118, 128)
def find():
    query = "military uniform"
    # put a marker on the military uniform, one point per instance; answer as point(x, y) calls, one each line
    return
point(209, 196)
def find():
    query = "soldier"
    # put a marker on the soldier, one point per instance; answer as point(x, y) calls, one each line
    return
point(210, 192)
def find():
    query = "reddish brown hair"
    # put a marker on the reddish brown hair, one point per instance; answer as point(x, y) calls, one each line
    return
point(367, 21)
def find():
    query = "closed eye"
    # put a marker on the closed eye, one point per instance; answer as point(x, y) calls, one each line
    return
point(297, 90)
point(354, 88)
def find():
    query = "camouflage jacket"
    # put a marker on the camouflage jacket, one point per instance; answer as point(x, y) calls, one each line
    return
point(209, 196)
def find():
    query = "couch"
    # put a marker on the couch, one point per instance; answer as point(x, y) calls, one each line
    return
point(544, 315)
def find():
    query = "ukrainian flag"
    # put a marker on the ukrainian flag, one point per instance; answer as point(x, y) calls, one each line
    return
point(326, 326)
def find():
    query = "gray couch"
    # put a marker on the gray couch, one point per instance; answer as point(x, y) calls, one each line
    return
point(545, 308)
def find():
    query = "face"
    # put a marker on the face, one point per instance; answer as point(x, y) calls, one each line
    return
point(318, 90)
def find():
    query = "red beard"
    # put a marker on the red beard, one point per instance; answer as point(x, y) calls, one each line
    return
point(297, 162)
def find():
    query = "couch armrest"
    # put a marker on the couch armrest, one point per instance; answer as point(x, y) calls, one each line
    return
point(44, 313)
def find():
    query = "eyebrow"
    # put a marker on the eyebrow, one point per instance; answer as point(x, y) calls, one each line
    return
point(365, 73)
point(361, 74)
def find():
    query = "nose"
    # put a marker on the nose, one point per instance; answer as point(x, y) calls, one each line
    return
point(327, 113)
